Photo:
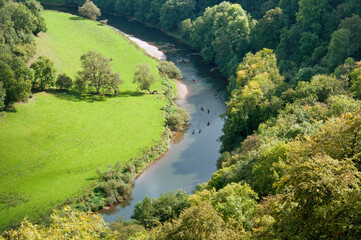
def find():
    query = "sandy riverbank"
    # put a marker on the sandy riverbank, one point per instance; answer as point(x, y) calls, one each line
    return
point(182, 90)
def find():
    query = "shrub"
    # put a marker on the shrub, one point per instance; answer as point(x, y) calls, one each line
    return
point(89, 10)
point(177, 121)
point(80, 85)
point(64, 82)
point(170, 70)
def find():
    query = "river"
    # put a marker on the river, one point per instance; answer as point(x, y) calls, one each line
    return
point(191, 158)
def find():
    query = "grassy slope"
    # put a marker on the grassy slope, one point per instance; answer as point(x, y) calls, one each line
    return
point(51, 147)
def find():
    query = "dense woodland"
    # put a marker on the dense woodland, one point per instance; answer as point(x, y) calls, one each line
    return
point(290, 165)
point(308, 37)
point(19, 22)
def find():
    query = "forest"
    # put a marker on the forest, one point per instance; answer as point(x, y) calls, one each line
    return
point(291, 144)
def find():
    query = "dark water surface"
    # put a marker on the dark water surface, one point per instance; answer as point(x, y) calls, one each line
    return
point(192, 158)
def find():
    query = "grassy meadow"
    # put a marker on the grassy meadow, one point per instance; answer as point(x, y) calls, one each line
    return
point(51, 146)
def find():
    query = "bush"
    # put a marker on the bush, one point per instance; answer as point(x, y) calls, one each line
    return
point(89, 10)
point(177, 121)
point(150, 212)
point(169, 70)
point(115, 185)
point(126, 229)
point(80, 85)
point(64, 82)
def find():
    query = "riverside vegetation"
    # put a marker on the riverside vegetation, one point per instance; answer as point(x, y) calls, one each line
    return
point(290, 164)
point(66, 135)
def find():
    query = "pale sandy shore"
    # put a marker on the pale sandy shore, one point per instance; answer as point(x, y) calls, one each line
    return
point(182, 90)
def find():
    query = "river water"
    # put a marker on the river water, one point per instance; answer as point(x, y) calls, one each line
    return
point(191, 158)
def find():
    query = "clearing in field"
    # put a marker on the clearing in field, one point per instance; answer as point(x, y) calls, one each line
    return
point(51, 147)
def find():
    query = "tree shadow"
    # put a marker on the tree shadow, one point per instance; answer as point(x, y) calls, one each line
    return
point(77, 97)
point(131, 94)
point(76, 18)
point(11, 109)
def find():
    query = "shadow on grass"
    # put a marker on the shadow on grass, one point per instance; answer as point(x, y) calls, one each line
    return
point(131, 94)
point(74, 18)
point(77, 97)
point(12, 109)
point(89, 97)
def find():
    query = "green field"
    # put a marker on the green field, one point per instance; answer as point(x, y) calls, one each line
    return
point(51, 147)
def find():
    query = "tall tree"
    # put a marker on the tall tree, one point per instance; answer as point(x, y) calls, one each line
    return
point(253, 97)
point(2, 96)
point(174, 11)
point(143, 77)
point(97, 71)
point(44, 73)
point(266, 33)
point(16, 89)
point(339, 48)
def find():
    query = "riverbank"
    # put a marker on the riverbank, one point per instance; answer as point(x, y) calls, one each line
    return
point(174, 35)
point(64, 136)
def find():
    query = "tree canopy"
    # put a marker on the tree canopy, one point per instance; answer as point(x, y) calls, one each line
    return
point(143, 77)
point(97, 73)
point(89, 10)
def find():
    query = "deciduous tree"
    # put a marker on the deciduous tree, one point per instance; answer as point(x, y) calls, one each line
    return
point(97, 72)
point(89, 10)
point(64, 82)
point(44, 73)
point(143, 77)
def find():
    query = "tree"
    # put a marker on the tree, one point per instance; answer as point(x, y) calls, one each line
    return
point(114, 81)
point(200, 222)
point(320, 199)
point(80, 85)
point(170, 70)
point(317, 16)
point(356, 82)
point(178, 119)
point(235, 202)
point(339, 48)
point(67, 224)
point(321, 88)
point(16, 89)
point(35, 8)
point(97, 72)
point(64, 82)
point(2, 96)
point(222, 35)
point(143, 77)
point(253, 97)
point(266, 33)
point(354, 25)
point(174, 11)
point(89, 10)
point(44, 73)
point(151, 212)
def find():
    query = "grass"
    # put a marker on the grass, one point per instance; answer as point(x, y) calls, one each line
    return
point(51, 146)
